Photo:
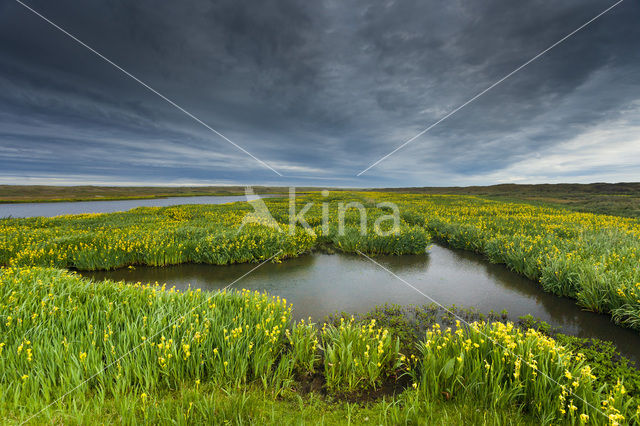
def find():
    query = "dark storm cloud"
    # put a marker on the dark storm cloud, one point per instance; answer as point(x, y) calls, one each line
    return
point(319, 90)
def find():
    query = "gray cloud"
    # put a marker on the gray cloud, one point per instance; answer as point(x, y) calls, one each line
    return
point(319, 89)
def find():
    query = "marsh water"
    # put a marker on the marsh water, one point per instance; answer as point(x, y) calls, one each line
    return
point(110, 206)
point(322, 284)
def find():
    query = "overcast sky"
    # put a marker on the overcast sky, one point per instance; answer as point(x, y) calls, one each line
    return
point(319, 90)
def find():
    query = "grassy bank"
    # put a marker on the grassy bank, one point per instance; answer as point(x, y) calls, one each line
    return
point(208, 404)
point(618, 199)
point(189, 233)
point(139, 353)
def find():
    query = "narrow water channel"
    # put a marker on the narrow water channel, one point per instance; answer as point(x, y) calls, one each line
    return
point(110, 206)
point(323, 284)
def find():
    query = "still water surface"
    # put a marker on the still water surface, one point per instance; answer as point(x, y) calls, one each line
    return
point(322, 284)
point(110, 206)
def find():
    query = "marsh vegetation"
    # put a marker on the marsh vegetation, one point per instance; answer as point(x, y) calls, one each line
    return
point(74, 349)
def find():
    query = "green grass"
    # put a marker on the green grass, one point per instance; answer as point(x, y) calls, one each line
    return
point(607, 362)
point(62, 333)
point(191, 233)
point(502, 366)
point(208, 404)
point(74, 350)
point(618, 199)
point(358, 356)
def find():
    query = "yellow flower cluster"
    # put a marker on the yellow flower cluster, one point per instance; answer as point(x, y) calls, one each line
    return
point(83, 327)
point(358, 356)
point(499, 355)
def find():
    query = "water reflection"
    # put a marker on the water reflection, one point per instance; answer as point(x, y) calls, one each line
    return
point(322, 284)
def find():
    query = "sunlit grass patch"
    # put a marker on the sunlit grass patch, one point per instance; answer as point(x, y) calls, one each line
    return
point(61, 333)
point(504, 366)
point(89, 347)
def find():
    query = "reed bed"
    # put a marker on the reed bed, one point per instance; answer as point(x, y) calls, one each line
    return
point(61, 333)
point(502, 366)
point(80, 345)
